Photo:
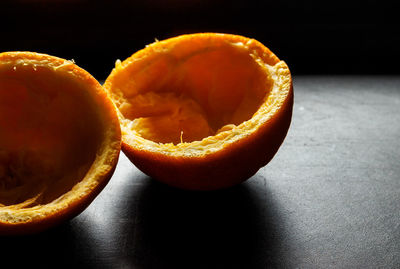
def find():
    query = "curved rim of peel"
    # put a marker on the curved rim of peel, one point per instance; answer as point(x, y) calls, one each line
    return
point(211, 151)
point(14, 220)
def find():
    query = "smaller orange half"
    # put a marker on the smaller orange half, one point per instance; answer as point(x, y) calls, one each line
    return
point(59, 141)
point(202, 111)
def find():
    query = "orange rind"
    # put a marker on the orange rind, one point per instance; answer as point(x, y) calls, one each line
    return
point(59, 141)
point(202, 111)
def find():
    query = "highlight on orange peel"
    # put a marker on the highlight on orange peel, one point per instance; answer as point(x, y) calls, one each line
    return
point(59, 141)
point(202, 111)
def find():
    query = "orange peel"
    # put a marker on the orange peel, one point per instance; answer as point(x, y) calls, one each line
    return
point(59, 141)
point(202, 111)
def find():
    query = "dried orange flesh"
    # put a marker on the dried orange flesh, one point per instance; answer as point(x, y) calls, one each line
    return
point(59, 140)
point(190, 98)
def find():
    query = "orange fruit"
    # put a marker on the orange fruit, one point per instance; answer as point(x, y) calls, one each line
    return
point(202, 111)
point(59, 141)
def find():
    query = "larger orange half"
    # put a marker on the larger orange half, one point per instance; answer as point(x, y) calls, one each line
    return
point(202, 111)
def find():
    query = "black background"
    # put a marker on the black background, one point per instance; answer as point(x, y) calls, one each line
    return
point(313, 37)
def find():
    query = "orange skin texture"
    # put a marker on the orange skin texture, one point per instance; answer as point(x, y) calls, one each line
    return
point(111, 150)
point(235, 162)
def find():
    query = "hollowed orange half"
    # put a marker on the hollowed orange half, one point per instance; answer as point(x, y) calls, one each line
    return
point(202, 111)
point(59, 141)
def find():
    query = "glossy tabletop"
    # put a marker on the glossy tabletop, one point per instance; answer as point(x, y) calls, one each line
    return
point(329, 199)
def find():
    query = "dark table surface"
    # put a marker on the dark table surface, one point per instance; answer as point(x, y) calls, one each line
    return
point(329, 199)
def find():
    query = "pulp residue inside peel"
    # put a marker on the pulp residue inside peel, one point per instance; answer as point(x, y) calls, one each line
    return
point(179, 97)
point(48, 130)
